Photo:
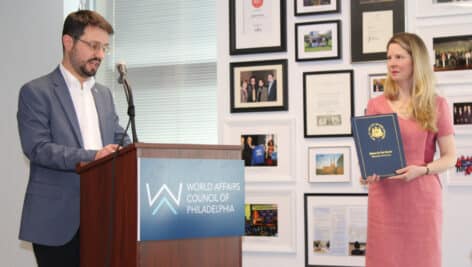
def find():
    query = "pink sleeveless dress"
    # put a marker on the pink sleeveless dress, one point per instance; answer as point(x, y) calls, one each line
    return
point(405, 218)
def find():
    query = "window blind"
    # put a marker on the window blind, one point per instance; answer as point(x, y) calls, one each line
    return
point(170, 50)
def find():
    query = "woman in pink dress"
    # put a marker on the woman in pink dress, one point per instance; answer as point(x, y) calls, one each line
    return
point(405, 210)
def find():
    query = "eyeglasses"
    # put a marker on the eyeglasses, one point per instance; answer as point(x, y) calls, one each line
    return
point(97, 46)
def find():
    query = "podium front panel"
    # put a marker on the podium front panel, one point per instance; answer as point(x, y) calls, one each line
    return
point(190, 198)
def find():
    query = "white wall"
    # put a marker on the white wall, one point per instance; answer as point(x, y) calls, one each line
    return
point(30, 46)
point(457, 232)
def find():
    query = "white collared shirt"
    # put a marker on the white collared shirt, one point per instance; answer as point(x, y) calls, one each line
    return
point(85, 109)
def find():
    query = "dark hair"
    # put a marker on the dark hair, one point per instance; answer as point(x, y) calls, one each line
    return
point(76, 22)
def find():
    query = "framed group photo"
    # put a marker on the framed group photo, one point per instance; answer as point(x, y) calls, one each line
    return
point(452, 53)
point(329, 164)
point(258, 86)
point(373, 23)
point(335, 229)
point(257, 26)
point(328, 99)
point(318, 40)
point(316, 7)
point(376, 84)
point(269, 221)
point(461, 112)
point(268, 148)
point(449, 46)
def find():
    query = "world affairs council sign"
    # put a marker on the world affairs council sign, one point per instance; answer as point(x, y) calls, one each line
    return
point(190, 198)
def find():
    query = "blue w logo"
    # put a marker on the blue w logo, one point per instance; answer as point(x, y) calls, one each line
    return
point(164, 199)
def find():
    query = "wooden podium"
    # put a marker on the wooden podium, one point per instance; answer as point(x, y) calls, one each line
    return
point(109, 213)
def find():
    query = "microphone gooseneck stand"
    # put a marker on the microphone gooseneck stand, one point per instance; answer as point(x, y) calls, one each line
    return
point(131, 114)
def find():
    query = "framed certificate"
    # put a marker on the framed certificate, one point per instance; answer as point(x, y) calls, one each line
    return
point(373, 23)
point(328, 103)
point(257, 26)
point(335, 229)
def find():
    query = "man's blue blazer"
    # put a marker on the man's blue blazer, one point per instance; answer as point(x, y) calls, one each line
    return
point(51, 140)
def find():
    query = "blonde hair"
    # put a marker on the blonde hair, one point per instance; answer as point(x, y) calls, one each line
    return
point(423, 93)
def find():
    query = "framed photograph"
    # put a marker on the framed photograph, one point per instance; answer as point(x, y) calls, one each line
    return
point(316, 7)
point(259, 150)
point(318, 40)
point(257, 26)
point(461, 112)
point(435, 33)
point(335, 229)
point(267, 147)
point(452, 53)
point(329, 164)
point(328, 100)
point(376, 84)
point(259, 86)
point(373, 23)
point(461, 174)
point(270, 221)
point(432, 8)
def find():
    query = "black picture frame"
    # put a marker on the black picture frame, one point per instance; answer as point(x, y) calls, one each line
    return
point(258, 22)
point(447, 57)
point(330, 6)
point(328, 103)
point(317, 208)
point(373, 23)
point(324, 39)
point(274, 98)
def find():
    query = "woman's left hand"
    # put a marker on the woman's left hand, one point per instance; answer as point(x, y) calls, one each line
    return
point(409, 172)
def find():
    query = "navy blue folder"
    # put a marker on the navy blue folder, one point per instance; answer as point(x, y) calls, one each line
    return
point(378, 144)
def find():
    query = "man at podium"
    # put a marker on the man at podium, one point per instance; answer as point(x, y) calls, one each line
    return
point(64, 118)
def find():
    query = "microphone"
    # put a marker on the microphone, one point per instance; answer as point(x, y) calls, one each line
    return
point(121, 67)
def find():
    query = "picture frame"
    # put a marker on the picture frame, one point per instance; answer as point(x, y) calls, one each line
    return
point(284, 241)
point(373, 23)
point(319, 40)
point(328, 103)
point(433, 8)
point(320, 211)
point(268, 96)
point(329, 164)
point(461, 113)
point(284, 129)
point(376, 84)
point(452, 53)
point(429, 33)
point(257, 26)
point(461, 174)
point(312, 7)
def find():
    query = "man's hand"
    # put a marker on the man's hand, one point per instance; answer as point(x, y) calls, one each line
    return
point(107, 150)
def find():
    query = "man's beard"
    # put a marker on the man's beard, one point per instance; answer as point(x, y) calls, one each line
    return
point(89, 73)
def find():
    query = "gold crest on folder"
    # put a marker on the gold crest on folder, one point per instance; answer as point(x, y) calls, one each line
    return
point(376, 131)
